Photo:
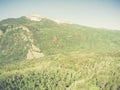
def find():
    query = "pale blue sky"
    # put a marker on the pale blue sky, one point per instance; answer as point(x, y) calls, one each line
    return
point(95, 13)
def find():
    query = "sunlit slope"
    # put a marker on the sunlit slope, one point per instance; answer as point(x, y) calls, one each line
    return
point(73, 71)
point(46, 55)
point(18, 35)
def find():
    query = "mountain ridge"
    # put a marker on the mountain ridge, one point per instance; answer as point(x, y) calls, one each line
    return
point(53, 38)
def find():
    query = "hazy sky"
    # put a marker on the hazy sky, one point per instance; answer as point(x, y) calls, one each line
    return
point(96, 13)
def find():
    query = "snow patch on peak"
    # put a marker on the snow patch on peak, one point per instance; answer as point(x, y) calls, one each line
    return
point(60, 21)
point(35, 17)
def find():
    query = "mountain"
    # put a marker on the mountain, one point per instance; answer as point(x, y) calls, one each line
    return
point(38, 53)
point(21, 36)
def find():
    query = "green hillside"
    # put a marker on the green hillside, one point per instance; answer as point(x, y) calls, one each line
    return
point(45, 55)
point(73, 71)
point(52, 38)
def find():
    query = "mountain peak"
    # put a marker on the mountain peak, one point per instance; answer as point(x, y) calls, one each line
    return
point(34, 17)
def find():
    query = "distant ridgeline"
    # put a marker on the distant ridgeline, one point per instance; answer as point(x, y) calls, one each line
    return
point(33, 36)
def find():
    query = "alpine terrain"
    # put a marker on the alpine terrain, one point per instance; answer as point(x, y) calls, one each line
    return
point(38, 53)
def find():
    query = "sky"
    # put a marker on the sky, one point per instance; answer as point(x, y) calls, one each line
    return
point(94, 13)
